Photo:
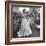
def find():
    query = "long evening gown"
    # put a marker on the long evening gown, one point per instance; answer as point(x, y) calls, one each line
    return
point(25, 29)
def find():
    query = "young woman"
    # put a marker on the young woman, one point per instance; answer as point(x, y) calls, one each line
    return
point(25, 29)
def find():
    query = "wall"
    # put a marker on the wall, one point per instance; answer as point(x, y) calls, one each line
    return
point(2, 24)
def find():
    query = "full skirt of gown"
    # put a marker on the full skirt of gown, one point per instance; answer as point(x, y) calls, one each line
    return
point(25, 29)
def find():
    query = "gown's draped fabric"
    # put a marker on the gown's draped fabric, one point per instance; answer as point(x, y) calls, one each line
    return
point(25, 29)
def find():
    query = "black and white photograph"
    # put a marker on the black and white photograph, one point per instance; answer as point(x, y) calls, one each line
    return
point(25, 21)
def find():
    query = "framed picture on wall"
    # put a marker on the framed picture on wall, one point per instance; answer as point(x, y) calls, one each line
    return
point(24, 22)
